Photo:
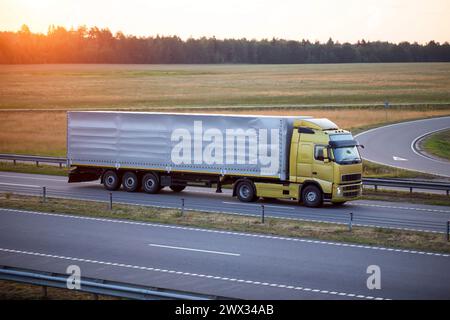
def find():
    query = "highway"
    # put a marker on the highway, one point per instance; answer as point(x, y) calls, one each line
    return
point(239, 265)
point(396, 145)
point(365, 213)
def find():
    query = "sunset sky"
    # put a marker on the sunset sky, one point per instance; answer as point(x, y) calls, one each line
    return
point(343, 20)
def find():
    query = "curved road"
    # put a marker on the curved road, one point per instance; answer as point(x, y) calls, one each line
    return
point(394, 145)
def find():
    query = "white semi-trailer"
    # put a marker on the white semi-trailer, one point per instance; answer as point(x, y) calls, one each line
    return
point(301, 158)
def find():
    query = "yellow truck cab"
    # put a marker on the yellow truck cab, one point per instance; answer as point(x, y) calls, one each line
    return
point(324, 164)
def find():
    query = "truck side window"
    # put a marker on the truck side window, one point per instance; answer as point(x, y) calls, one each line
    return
point(318, 153)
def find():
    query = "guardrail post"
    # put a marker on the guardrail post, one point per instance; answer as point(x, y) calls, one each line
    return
point(37, 163)
point(262, 213)
point(448, 230)
point(448, 191)
point(376, 188)
point(110, 201)
point(182, 206)
point(44, 292)
point(60, 165)
point(14, 161)
point(44, 194)
point(350, 223)
point(410, 189)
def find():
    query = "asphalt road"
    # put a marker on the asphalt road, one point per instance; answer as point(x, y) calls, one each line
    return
point(365, 213)
point(395, 145)
point(239, 265)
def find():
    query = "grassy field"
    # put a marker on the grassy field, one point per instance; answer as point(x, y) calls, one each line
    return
point(44, 132)
point(175, 86)
point(438, 144)
point(290, 228)
point(352, 92)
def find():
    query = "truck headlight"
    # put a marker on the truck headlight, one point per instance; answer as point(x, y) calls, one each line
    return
point(338, 191)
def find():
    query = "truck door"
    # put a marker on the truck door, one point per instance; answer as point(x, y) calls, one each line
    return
point(320, 169)
point(304, 160)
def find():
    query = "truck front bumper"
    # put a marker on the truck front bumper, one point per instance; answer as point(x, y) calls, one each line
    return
point(346, 192)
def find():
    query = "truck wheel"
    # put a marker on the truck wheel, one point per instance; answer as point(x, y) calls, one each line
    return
point(245, 192)
point(312, 196)
point(150, 183)
point(130, 182)
point(177, 188)
point(111, 180)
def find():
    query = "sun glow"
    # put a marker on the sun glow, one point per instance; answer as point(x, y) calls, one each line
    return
point(344, 20)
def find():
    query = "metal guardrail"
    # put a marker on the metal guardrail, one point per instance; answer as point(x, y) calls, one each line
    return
point(37, 159)
point(98, 286)
point(376, 182)
point(409, 184)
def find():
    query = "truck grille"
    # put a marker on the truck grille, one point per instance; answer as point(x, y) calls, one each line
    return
point(351, 177)
point(351, 194)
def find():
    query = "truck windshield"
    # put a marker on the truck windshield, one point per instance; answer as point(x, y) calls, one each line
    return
point(346, 155)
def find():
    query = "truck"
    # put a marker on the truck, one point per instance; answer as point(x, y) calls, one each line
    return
point(302, 158)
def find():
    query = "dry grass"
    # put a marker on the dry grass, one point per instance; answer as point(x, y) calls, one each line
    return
point(155, 86)
point(10, 290)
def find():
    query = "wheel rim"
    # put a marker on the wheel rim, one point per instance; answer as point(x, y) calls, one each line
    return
point(129, 182)
point(311, 196)
point(244, 192)
point(149, 183)
point(110, 180)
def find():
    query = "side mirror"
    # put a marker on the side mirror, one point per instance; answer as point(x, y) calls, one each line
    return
point(325, 155)
point(360, 145)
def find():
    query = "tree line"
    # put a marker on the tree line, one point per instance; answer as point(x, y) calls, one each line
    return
point(95, 45)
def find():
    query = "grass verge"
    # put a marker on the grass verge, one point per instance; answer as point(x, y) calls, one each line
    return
point(375, 170)
point(438, 144)
point(10, 290)
point(406, 196)
point(282, 227)
point(29, 168)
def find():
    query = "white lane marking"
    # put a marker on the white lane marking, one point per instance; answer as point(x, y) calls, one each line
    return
point(399, 158)
point(115, 264)
point(19, 185)
point(258, 205)
point(250, 235)
point(397, 207)
point(196, 250)
point(255, 215)
point(416, 150)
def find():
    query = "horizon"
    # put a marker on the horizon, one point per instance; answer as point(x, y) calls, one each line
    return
point(386, 21)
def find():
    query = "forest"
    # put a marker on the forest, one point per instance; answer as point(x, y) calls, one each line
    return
point(100, 45)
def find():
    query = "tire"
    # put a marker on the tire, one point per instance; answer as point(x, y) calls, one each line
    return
point(177, 188)
point(246, 192)
point(150, 183)
point(312, 196)
point(131, 182)
point(111, 180)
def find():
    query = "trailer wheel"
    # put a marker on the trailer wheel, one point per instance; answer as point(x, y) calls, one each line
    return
point(312, 196)
point(246, 192)
point(150, 183)
point(177, 188)
point(130, 182)
point(111, 180)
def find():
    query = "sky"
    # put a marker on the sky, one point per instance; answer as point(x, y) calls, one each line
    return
point(342, 20)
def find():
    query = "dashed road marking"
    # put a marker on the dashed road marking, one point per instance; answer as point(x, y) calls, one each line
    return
point(189, 274)
point(251, 235)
